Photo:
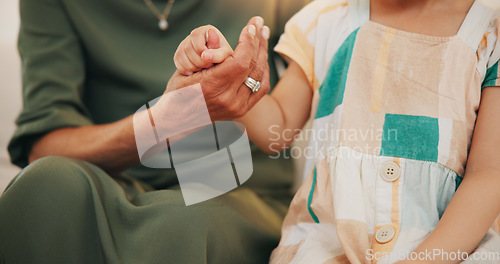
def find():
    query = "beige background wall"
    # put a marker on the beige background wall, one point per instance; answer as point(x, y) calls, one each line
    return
point(10, 83)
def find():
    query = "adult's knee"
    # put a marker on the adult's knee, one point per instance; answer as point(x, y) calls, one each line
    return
point(51, 177)
point(50, 200)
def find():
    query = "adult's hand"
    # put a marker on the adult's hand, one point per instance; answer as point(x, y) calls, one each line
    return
point(226, 95)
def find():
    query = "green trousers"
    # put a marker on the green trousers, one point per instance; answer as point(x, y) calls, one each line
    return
point(61, 210)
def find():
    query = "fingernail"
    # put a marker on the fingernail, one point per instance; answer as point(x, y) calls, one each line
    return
point(188, 73)
point(266, 32)
point(252, 30)
point(207, 35)
point(259, 22)
point(207, 55)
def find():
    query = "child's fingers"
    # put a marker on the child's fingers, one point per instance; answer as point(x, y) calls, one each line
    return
point(182, 62)
point(199, 38)
point(194, 56)
point(187, 68)
point(218, 48)
point(216, 55)
point(180, 59)
point(214, 38)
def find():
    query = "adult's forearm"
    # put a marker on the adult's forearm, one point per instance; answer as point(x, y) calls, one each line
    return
point(114, 146)
point(111, 146)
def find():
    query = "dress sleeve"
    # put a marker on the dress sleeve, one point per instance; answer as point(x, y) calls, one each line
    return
point(284, 10)
point(492, 77)
point(53, 76)
point(297, 42)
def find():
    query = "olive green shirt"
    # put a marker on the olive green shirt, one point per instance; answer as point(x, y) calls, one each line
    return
point(98, 61)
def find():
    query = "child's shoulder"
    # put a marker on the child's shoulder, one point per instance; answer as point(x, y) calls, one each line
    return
point(331, 13)
point(493, 5)
point(326, 13)
point(326, 3)
point(319, 7)
point(488, 51)
point(492, 31)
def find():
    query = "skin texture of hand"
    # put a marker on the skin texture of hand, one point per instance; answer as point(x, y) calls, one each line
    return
point(226, 95)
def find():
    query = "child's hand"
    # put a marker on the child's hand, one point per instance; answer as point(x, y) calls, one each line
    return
point(204, 47)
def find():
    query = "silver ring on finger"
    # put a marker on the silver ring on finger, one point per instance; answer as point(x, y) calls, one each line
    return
point(252, 84)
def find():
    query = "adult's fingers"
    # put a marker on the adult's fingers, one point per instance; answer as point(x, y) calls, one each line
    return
point(262, 60)
point(261, 71)
point(262, 57)
point(247, 50)
point(179, 81)
point(245, 55)
point(264, 89)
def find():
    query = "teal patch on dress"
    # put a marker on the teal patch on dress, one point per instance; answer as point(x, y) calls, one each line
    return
point(411, 137)
point(310, 198)
point(332, 89)
point(491, 77)
point(458, 180)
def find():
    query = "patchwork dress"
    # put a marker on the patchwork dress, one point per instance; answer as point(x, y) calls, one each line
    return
point(394, 114)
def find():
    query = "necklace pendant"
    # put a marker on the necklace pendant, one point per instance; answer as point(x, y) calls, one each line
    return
point(163, 24)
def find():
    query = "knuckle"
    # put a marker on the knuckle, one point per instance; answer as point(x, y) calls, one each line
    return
point(186, 46)
point(267, 88)
point(241, 112)
point(252, 63)
point(218, 102)
point(265, 57)
point(244, 64)
point(259, 74)
point(190, 67)
point(232, 108)
point(178, 66)
point(221, 101)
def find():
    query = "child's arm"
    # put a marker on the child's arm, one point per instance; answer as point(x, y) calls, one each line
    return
point(274, 121)
point(204, 47)
point(476, 203)
point(277, 117)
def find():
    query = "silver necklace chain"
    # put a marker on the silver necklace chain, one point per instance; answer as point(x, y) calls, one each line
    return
point(162, 17)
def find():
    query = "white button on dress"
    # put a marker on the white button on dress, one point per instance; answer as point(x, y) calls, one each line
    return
point(390, 171)
point(385, 234)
